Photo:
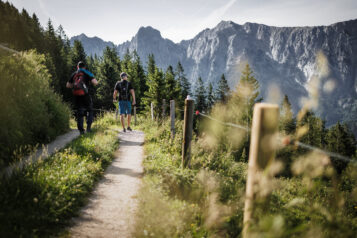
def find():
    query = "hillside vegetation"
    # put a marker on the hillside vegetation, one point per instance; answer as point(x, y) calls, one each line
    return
point(30, 111)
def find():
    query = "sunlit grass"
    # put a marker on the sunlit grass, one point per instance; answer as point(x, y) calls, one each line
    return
point(40, 200)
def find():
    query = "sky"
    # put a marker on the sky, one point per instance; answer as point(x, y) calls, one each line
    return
point(119, 20)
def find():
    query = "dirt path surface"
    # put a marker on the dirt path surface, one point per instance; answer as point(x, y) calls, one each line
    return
point(111, 208)
point(43, 152)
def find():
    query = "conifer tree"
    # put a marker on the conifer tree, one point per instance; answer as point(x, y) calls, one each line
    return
point(341, 140)
point(185, 84)
point(316, 134)
point(108, 75)
point(151, 64)
point(287, 120)
point(77, 54)
point(247, 93)
point(222, 92)
point(156, 91)
point(200, 96)
point(210, 97)
point(172, 87)
point(140, 77)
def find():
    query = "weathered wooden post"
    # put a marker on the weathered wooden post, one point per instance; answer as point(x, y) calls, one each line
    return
point(163, 108)
point(187, 131)
point(261, 153)
point(152, 111)
point(135, 115)
point(172, 116)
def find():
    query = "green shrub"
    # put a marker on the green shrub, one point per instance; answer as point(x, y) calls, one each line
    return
point(30, 112)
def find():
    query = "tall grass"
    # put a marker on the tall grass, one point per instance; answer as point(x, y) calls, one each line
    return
point(208, 199)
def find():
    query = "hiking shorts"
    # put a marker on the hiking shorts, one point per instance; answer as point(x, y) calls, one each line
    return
point(125, 107)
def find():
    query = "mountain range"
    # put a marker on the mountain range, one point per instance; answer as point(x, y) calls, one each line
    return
point(283, 56)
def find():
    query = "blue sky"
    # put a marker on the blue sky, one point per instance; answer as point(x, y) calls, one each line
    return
point(119, 20)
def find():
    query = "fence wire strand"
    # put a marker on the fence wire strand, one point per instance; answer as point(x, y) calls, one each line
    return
point(291, 142)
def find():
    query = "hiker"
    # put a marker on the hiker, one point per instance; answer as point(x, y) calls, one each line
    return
point(124, 88)
point(79, 83)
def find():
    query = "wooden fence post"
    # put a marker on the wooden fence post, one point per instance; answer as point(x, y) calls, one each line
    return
point(172, 116)
point(163, 108)
point(152, 111)
point(135, 115)
point(187, 131)
point(261, 153)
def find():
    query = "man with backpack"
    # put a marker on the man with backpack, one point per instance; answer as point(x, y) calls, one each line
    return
point(125, 89)
point(79, 83)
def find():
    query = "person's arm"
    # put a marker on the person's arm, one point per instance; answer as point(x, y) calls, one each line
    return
point(69, 85)
point(115, 95)
point(133, 94)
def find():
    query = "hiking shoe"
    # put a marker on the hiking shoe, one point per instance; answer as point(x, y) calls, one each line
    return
point(81, 132)
point(88, 130)
point(129, 129)
point(124, 130)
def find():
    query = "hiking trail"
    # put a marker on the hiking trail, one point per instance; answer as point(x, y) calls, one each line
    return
point(111, 208)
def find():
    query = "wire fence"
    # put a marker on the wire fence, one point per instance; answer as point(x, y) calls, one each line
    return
point(283, 140)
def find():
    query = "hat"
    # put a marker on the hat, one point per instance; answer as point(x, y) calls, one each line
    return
point(123, 74)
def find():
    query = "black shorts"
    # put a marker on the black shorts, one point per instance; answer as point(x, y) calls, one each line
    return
point(83, 102)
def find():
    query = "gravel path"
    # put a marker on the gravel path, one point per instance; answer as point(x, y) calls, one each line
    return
point(111, 208)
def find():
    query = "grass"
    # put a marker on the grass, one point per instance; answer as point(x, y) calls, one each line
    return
point(208, 199)
point(39, 200)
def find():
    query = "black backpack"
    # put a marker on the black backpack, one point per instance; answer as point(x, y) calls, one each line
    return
point(79, 87)
point(124, 87)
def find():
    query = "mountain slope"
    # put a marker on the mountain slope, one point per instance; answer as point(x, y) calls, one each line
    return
point(282, 56)
point(92, 45)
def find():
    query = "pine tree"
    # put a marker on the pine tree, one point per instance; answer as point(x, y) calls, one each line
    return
point(247, 93)
point(185, 84)
point(156, 91)
point(151, 64)
point(287, 120)
point(58, 52)
point(140, 77)
point(316, 134)
point(108, 76)
point(341, 140)
point(200, 96)
point(210, 97)
point(172, 88)
point(222, 92)
point(77, 54)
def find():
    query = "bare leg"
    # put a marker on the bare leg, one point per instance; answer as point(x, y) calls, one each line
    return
point(122, 120)
point(129, 119)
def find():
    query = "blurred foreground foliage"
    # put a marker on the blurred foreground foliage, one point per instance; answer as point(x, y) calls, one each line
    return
point(303, 194)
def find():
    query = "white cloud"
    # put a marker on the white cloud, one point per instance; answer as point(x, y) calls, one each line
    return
point(216, 16)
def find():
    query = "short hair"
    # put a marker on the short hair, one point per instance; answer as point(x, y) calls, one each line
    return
point(123, 74)
point(81, 64)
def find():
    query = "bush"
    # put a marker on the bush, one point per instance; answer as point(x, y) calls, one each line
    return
point(30, 111)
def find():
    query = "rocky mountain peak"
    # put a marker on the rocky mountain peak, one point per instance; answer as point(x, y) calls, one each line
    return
point(282, 56)
point(148, 32)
